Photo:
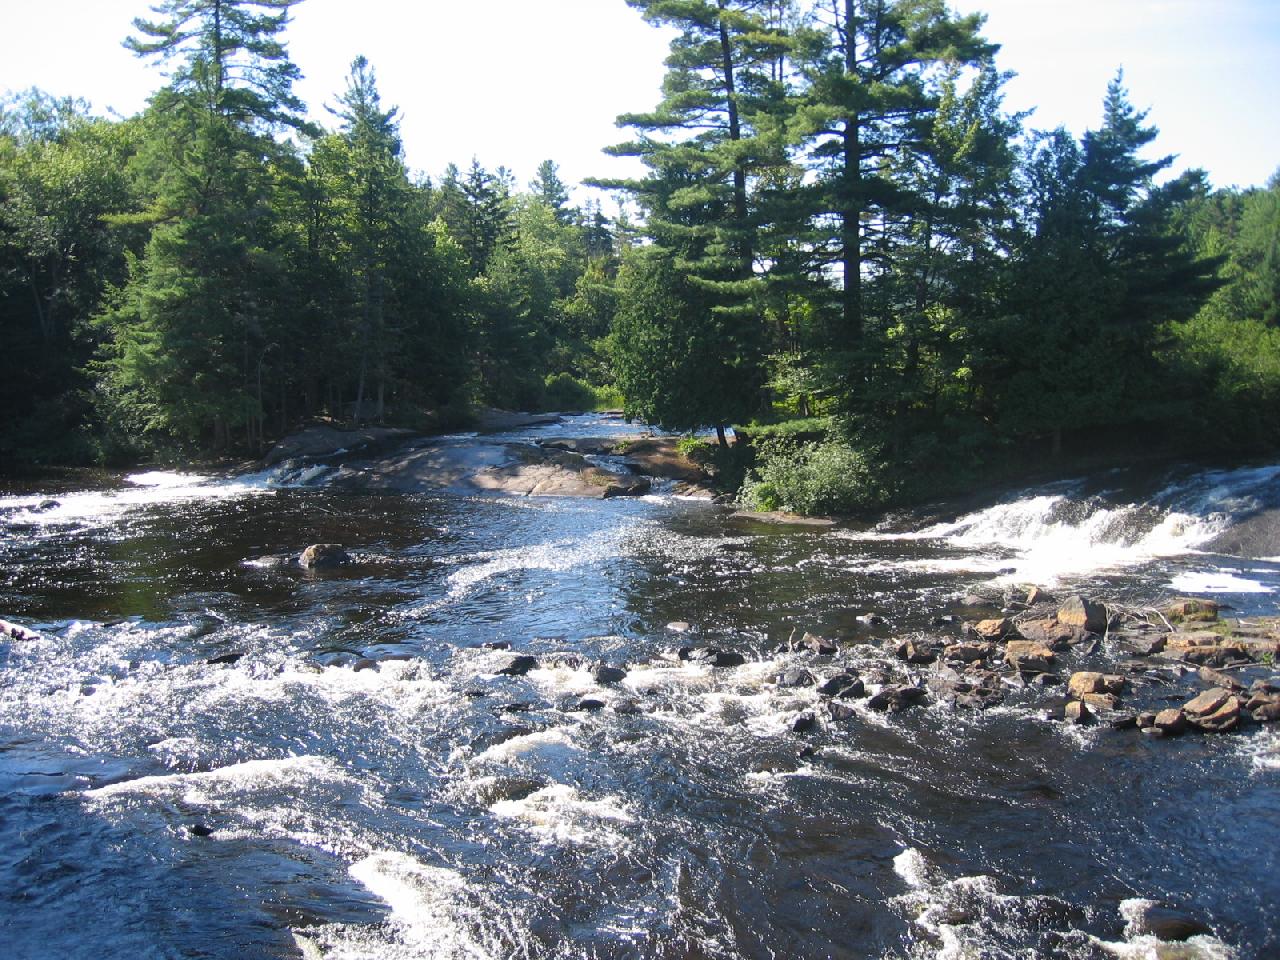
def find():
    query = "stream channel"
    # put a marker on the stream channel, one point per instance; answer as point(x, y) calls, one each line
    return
point(206, 752)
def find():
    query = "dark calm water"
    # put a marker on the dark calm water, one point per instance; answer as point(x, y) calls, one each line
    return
point(207, 753)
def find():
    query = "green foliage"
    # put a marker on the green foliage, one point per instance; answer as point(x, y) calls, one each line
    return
point(673, 356)
point(565, 392)
point(695, 449)
point(800, 428)
point(838, 225)
point(831, 477)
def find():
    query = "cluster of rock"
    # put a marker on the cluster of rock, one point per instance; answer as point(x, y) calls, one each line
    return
point(1025, 648)
point(1021, 650)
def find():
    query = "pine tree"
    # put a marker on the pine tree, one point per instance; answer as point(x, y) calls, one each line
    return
point(867, 64)
point(194, 323)
point(550, 189)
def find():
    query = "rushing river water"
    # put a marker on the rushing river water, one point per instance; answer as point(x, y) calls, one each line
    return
point(209, 753)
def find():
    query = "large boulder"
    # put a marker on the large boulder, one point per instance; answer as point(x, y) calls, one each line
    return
point(661, 457)
point(995, 629)
point(322, 440)
point(1051, 632)
point(1085, 682)
point(1078, 611)
point(1192, 608)
point(537, 472)
point(1216, 711)
point(1027, 656)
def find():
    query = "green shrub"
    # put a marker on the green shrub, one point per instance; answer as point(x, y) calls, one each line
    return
point(695, 449)
point(563, 391)
point(566, 392)
point(814, 478)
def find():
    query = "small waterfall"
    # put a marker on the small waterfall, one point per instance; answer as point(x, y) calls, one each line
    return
point(1066, 531)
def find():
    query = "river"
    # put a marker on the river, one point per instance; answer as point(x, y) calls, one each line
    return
point(207, 752)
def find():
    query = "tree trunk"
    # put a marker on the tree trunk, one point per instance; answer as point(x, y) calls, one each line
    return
point(740, 209)
point(851, 202)
point(720, 435)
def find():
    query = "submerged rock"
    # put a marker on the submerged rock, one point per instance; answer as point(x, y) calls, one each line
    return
point(1155, 920)
point(895, 699)
point(840, 711)
point(1077, 712)
point(842, 685)
point(915, 652)
point(518, 666)
point(1219, 679)
point(712, 656)
point(323, 556)
point(795, 677)
point(804, 722)
point(605, 675)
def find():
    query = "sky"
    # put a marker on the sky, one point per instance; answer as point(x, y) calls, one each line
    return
point(514, 82)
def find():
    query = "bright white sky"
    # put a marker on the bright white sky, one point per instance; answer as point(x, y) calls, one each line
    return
point(514, 82)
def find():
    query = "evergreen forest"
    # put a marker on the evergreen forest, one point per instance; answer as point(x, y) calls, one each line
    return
point(843, 246)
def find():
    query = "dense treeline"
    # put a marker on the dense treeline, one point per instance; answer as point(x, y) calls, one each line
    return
point(205, 275)
point(839, 221)
point(845, 222)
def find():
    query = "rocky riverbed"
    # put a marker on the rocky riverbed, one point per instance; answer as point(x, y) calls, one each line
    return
point(280, 718)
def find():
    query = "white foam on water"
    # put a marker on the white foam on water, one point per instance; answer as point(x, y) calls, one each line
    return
point(966, 918)
point(1047, 536)
point(666, 678)
point(912, 867)
point(554, 741)
point(559, 556)
point(566, 681)
point(431, 908)
point(1137, 946)
point(91, 509)
point(1263, 750)
point(1050, 544)
point(210, 786)
point(560, 814)
point(1217, 581)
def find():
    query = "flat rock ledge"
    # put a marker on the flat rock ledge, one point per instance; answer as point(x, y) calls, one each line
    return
point(477, 466)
